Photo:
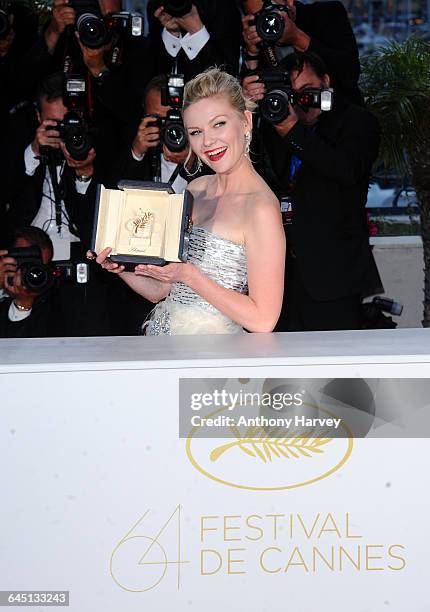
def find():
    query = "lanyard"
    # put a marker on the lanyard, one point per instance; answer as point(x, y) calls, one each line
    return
point(296, 162)
point(175, 173)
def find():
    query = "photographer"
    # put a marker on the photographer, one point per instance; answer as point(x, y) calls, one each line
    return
point(194, 35)
point(149, 157)
point(115, 61)
point(326, 156)
point(109, 54)
point(25, 312)
point(60, 201)
point(56, 193)
point(322, 28)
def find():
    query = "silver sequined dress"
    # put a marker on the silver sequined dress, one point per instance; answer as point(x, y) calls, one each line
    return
point(184, 311)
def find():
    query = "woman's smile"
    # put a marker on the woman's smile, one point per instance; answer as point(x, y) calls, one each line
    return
point(215, 155)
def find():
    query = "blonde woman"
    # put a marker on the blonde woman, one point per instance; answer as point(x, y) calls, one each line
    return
point(234, 276)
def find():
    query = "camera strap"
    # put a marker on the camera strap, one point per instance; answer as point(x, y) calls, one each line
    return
point(175, 174)
point(90, 95)
point(156, 165)
point(270, 56)
point(117, 50)
point(58, 190)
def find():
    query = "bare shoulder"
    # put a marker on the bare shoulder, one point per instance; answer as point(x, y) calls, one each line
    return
point(198, 186)
point(263, 203)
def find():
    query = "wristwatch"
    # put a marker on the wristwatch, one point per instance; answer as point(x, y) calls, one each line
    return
point(21, 308)
point(84, 178)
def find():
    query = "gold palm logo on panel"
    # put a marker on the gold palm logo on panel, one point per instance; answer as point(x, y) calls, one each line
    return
point(270, 459)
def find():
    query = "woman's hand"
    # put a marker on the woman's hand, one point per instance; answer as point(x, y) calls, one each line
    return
point(171, 273)
point(102, 259)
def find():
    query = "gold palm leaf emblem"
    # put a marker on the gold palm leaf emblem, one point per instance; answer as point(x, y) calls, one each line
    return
point(267, 445)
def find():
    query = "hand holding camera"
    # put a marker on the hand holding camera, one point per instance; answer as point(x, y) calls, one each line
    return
point(250, 35)
point(83, 168)
point(190, 22)
point(63, 15)
point(273, 25)
point(253, 87)
point(147, 137)
point(167, 21)
point(23, 275)
point(47, 135)
point(7, 267)
point(175, 15)
point(94, 59)
point(277, 98)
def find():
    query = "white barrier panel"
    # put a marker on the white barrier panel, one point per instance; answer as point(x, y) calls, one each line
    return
point(101, 498)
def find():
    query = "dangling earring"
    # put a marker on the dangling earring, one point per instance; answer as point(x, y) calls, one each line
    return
point(197, 170)
point(247, 144)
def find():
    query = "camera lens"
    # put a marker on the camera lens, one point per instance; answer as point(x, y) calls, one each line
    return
point(275, 106)
point(77, 144)
point(92, 31)
point(270, 26)
point(35, 277)
point(174, 137)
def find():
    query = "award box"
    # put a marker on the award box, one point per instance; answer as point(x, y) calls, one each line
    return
point(143, 223)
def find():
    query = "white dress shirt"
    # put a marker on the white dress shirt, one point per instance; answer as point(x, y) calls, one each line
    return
point(45, 217)
point(192, 44)
point(167, 169)
point(14, 314)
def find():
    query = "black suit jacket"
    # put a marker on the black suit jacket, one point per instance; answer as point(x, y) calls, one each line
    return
point(333, 40)
point(329, 233)
point(43, 321)
point(26, 199)
point(223, 22)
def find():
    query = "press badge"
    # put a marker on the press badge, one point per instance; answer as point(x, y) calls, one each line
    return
point(286, 211)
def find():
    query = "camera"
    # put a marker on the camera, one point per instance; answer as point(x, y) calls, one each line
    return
point(74, 132)
point(274, 107)
point(269, 22)
point(176, 8)
point(172, 130)
point(90, 24)
point(172, 93)
point(75, 272)
point(74, 92)
point(173, 133)
point(35, 275)
point(95, 30)
point(373, 316)
point(124, 22)
point(5, 24)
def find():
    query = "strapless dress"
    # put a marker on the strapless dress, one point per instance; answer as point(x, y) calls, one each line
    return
point(184, 311)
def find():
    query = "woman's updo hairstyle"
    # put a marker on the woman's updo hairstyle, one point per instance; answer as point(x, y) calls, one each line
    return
point(215, 82)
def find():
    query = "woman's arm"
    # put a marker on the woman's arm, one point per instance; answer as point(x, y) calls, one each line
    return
point(150, 288)
point(265, 251)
